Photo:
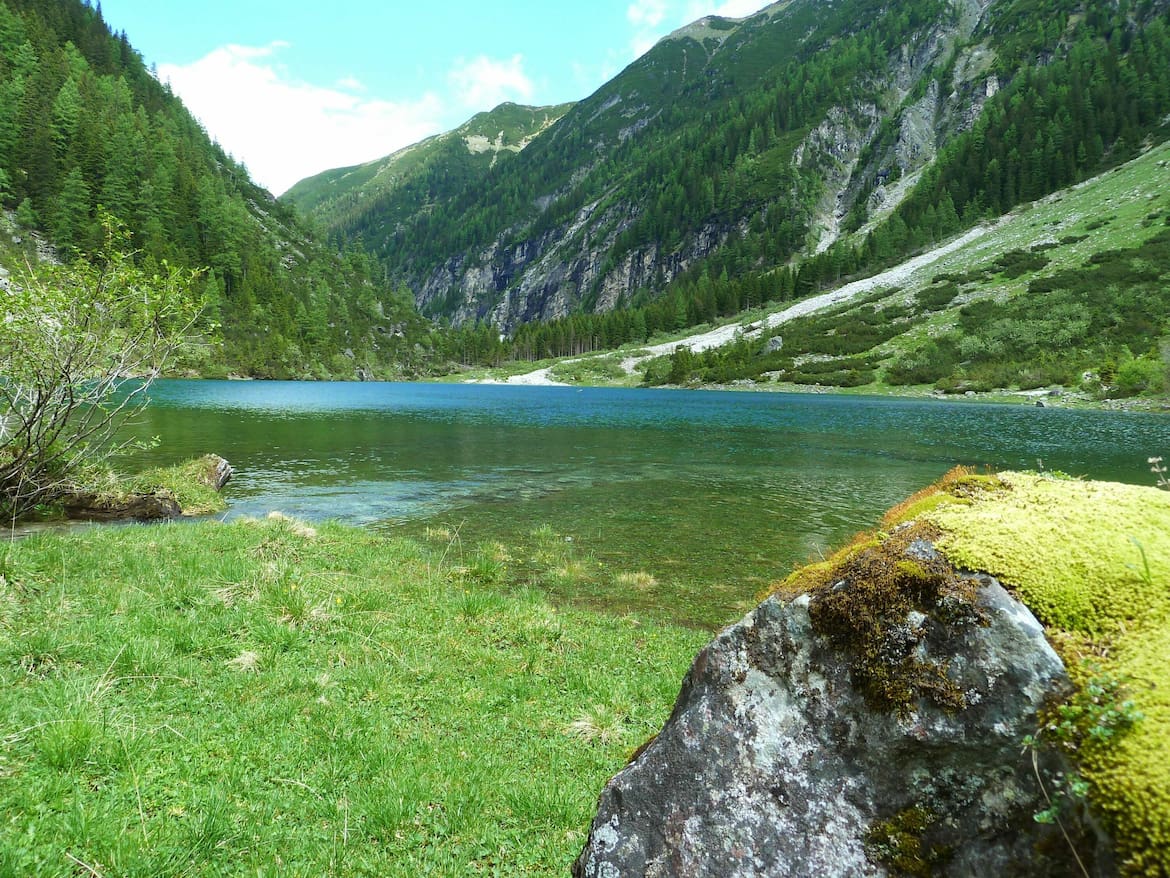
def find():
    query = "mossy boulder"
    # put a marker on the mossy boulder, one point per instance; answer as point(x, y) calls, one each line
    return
point(155, 505)
point(196, 484)
point(871, 727)
point(190, 488)
point(898, 709)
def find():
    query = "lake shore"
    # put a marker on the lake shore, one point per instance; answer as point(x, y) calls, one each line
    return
point(416, 714)
point(1047, 397)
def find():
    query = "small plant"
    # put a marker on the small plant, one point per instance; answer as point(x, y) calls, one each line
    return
point(1095, 715)
point(1066, 791)
point(1143, 571)
point(1159, 470)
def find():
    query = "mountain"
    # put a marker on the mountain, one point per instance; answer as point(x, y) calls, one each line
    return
point(841, 134)
point(87, 131)
point(1066, 296)
point(424, 176)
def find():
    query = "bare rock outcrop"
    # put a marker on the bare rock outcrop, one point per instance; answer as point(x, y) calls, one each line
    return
point(219, 471)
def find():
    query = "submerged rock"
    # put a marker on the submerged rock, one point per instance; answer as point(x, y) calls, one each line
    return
point(777, 761)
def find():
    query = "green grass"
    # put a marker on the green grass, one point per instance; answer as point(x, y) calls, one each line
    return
point(266, 698)
point(189, 482)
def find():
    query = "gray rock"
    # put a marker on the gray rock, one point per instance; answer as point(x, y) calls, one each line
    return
point(772, 763)
point(774, 344)
point(219, 471)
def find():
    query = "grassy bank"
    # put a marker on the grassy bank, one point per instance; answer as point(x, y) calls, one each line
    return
point(269, 699)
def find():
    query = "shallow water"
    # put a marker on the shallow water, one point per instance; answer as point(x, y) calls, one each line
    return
point(712, 495)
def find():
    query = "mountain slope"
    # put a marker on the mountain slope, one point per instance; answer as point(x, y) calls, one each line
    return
point(1068, 296)
point(733, 146)
point(425, 175)
point(86, 131)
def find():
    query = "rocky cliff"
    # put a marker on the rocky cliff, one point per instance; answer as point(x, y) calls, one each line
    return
point(876, 723)
point(762, 135)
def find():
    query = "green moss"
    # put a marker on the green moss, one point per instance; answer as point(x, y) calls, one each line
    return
point(190, 482)
point(1092, 561)
point(921, 506)
point(863, 605)
point(1069, 548)
point(899, 844)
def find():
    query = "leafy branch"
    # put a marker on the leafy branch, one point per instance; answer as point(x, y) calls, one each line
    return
point(80, 345)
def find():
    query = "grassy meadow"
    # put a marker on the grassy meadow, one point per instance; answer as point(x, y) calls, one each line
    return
point(267, 698)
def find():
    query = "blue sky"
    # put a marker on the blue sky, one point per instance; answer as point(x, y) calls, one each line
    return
point(293, 88)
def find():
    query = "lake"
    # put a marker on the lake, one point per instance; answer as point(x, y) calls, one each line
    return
point(677, 504)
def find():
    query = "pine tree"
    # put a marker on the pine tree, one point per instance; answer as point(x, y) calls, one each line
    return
point(71, 222)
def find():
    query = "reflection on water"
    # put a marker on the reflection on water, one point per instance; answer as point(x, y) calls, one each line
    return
point(712, 494)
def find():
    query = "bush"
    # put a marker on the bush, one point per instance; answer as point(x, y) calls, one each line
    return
point(79, 346)
point(1140, 375)
point(936, 297)
point(930, 363)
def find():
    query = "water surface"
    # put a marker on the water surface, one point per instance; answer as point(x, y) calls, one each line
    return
point(709, 495)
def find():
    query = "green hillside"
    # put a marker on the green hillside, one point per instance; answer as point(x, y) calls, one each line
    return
point(1069, 292)
point(829, 140)
point(88, 131)
point(425, 175)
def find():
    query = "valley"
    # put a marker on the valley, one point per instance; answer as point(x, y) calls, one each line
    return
point(492, 500)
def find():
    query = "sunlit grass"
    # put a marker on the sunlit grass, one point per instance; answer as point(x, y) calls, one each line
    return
point(265, 698)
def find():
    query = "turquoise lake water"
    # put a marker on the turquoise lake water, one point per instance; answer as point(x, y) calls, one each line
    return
point(708, 495)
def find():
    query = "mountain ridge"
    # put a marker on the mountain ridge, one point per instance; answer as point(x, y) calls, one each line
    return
point(508, 127)
point(709, 151)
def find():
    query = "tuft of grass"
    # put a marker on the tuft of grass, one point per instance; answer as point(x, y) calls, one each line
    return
point(639, 580)
point(262, 697)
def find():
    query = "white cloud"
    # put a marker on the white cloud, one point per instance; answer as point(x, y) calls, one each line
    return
point(646, 13)
point(284, 129)
point(351, 83)
point(483, 83)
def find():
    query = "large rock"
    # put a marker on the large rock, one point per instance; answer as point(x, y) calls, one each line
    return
point(776, 762)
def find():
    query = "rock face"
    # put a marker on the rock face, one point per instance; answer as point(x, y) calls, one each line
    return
point(773, 763)
point(219, 471)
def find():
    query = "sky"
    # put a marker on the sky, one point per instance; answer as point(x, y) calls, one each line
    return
point(292, 89)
